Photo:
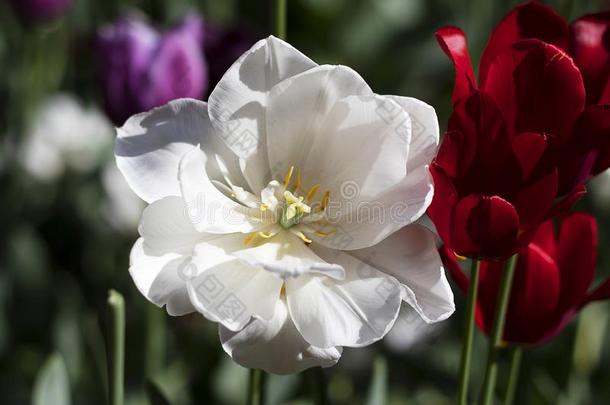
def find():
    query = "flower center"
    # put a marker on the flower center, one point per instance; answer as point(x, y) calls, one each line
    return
point(294, 210)
point(284, 206)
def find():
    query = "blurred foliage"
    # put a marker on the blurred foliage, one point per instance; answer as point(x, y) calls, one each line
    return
point(59, 254)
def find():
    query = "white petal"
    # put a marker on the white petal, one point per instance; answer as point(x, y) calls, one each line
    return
point(159, 259)
point(411, 256)
point(376, 186)
point(227, 290)
point(424, 131)
point(354, 146)
point(150, 145)
point(237, 104)
point(166, 228)
point(370, 222)
point(353, 312)
point(287, 256)
point(275, 346)
point(208, 208)
point(297, 113)
point(161, 278)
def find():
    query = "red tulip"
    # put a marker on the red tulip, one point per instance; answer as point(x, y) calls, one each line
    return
point(587, 41)
point(519, 144)
point(551, 282)
point(590, 48)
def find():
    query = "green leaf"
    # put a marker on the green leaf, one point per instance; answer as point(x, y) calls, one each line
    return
point(379, 383)
point(52, 386)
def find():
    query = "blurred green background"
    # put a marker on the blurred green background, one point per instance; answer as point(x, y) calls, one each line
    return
point(65, 239)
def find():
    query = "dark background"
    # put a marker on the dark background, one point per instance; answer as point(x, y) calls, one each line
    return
point(61, 247)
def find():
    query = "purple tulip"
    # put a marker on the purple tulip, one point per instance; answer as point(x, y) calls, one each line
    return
point(41, 10)
point(142, 68)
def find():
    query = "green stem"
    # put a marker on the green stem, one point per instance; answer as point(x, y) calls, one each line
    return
point(116, 350)
point(255, 387)
point(491, 372)
point(469, 332)
point(155, 339)
point(280, 19)
point(513, 376)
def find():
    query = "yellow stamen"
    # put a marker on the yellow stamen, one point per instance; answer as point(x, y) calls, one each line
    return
point(325, 200)
point(312, 192)
point(303, 237)
point(325, 234)
point(297, 182)
point(249, 239)
point(288, 177)
point(264, 207)
point(265, 235)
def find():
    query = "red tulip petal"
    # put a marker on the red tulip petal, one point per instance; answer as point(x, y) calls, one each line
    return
point(443, 203)
point(529, 20)
point(479, 118)
point(576, 255)
point(605, 97)
point(456, 153)
point(529, 148)
point(484, 227)
point(557, 325)
point(591, 52)
point(592, 134)
point(538, 88)
point(603, 161)
point(535, 201)
point(566, 203)
point(576, 169)
point(453, 42)
point(587, 152)
point(481, 122)
point(546, 239)
point(534, 296)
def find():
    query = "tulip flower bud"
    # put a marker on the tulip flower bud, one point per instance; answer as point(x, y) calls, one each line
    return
point(142, 68)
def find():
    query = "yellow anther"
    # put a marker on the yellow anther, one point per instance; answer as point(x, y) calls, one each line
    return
point(265, 235)
point(325, 200)
point(312, 192)
point(297, 182)
point(324, 234)
point(287, 177)
point(263, 207)
point(303, 237)
point(249, 239)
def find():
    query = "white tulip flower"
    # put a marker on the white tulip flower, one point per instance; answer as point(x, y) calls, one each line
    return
point(284, 209)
